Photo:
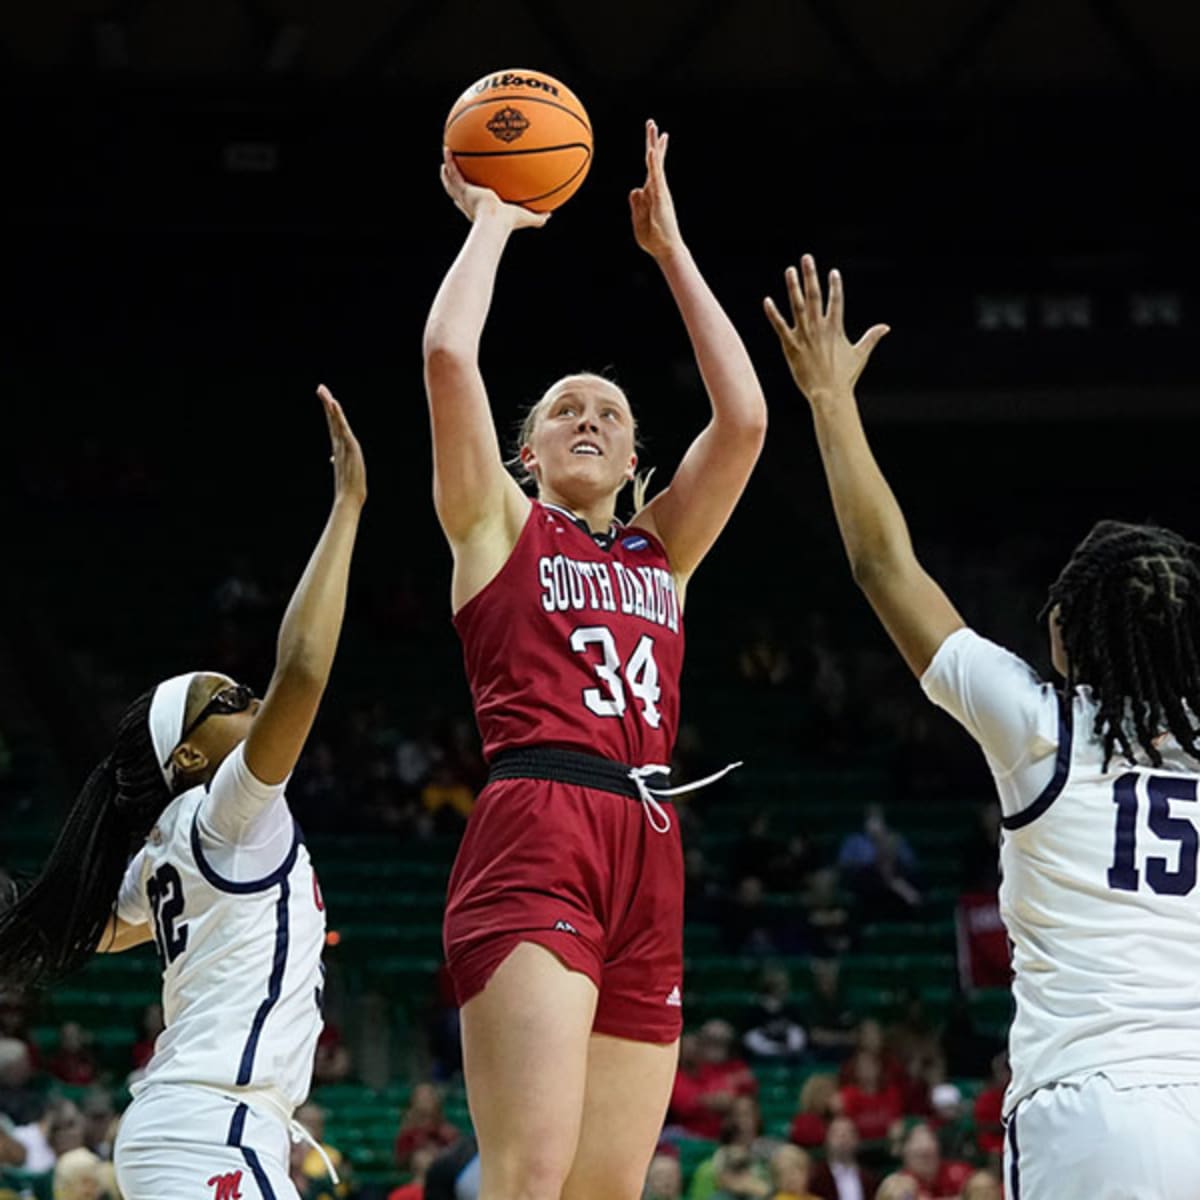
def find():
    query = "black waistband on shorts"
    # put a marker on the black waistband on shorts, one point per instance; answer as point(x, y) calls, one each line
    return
point(570, 766)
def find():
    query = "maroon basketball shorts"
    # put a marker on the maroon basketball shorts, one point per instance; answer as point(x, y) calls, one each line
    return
point(559, 851)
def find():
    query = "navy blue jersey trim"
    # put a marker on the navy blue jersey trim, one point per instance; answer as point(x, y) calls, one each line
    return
point(237, 1125)
point(1014, 1157)
point(274, 986)
point(254, 885)
point(1062, 768)
point(260, 1176)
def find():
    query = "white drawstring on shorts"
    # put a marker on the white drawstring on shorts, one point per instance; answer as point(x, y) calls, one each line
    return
point(649, 796)
point(300, 1134)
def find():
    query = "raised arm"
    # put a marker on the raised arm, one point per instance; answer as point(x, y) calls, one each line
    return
point(689, 514)
point(308, 635)
point(825, 365)
point(472, 491)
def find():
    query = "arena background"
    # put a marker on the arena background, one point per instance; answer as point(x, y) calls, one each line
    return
point(211, 207)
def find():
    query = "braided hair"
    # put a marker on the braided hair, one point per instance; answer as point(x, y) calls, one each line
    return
point(55, 924)
point(1129, 611)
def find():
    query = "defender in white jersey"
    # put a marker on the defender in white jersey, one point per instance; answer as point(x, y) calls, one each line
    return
point(1098, 787)
point(221, 882)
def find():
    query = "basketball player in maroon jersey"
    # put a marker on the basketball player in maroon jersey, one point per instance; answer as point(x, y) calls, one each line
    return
point(564, 918)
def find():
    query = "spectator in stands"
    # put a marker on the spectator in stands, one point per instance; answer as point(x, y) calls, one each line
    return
point(840, 1177)
point(869, 1039)
point(878, 865)
point(423, 1124)
point(99, 1122)
point(708, 1080)
point(748, 926)
point(151, 1026)
point(58, 1129)
point(81, 1175)
point(913, 1035)
point(817, 1098)
point(869, 1100)
point(950, 1121)
point(738, 1175)
point(774, 1030)
point(14, 1022)
point(448, 798)
point(664, 1179)
point(312, 1165)
point(829, 927)
point(422, 1159)
point(73, 1062)
point(790, 1171)
point(19, 1100)
point(831, 1027)
point(332, 1063)
point(989, 1107)
point(923, 1163)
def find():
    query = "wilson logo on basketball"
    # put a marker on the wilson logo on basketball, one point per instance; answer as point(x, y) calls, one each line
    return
point(508, 124)
point(509, 80)
point(228, 1187)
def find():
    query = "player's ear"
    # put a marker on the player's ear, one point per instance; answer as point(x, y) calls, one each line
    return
point(189, 759)
point(527, 457)
point(631, 470)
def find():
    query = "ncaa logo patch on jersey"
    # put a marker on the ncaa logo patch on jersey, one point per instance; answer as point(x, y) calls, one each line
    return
point(636, 542)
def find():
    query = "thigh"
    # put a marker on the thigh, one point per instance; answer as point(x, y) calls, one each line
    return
point(525, 1056)
point(628, 1088)
point(1094, 1141)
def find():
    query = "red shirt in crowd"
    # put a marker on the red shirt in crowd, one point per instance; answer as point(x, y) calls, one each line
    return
point(708, 1079)
point(437, 1134)
point(410, 1191)
point(809, 1130)
point(947, 1184)
point(989, 1127)
point(872, 1112)
point(73, 1066)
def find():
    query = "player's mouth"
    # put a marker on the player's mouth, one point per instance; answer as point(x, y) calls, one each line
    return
point(587, 448)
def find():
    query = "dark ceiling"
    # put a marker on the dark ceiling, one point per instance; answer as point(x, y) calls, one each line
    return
point(608, 47)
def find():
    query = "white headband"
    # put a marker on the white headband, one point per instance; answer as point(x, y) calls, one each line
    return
point(167, 711)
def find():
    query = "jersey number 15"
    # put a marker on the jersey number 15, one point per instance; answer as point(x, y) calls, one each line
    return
point(1161, 789)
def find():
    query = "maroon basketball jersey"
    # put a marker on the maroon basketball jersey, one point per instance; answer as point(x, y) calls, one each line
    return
point(577, 645)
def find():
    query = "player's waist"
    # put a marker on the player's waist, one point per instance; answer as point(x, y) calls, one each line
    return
point(558, 765)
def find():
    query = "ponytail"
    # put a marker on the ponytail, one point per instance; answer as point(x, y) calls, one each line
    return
point(55, 924)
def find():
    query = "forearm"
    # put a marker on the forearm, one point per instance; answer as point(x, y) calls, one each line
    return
point(721, 356)
point(460, 308)
point(309, 632)
point(869, 518)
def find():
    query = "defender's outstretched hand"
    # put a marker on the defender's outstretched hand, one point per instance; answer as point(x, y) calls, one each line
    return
point(349, 470)
point(470, 198)
point(654, 224)
point(821, 357)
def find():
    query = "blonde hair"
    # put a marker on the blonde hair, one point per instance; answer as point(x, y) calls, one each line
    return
point(535, 412)
point(74, 1168)
point(817, 1094)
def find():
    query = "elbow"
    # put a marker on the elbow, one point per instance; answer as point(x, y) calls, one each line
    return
point(868, 572)
point(441, 348)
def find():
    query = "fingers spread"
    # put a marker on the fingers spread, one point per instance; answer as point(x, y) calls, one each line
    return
point(796, 298)
point(812, 288)
point(776, 318)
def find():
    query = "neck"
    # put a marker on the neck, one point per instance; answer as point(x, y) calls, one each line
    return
point(597, 515)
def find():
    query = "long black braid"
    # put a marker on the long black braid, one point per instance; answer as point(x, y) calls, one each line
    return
point(54, 926)
point(1129, 612)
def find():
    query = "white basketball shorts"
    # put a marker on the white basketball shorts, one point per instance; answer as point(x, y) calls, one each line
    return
point(177, 1142)
point(1096, 1140)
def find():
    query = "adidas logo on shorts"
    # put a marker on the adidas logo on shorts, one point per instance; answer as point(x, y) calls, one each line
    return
point(674, 999)
point(565, 927)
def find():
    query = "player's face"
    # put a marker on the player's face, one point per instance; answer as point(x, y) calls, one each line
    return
point(218, 730)
point(583, 443)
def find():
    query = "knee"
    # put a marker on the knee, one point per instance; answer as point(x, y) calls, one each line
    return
point(523, 1177)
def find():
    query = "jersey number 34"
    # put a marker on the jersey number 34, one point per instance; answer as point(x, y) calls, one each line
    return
point(639, 675)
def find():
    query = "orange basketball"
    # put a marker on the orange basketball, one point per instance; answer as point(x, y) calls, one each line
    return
point(524, 135)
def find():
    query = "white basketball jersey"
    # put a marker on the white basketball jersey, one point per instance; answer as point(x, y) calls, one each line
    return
point(242, 974)
point(1099, 874)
